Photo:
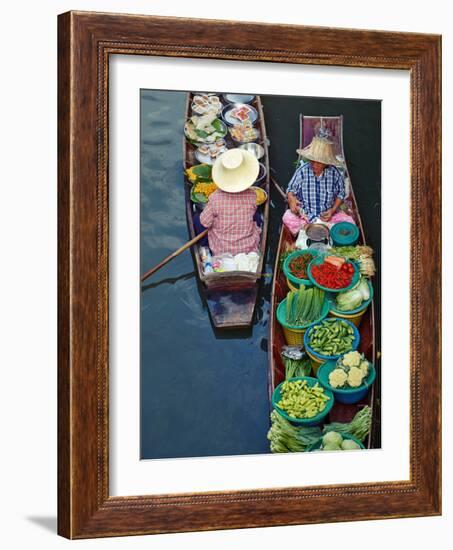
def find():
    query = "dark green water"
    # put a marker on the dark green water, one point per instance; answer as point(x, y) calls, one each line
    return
point(204, 392)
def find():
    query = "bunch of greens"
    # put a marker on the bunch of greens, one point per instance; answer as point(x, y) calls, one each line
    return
point(286, 438)
point(354, 298)
point(362, 254)
point(304, 306)
point(359, 426)
point(296, 361)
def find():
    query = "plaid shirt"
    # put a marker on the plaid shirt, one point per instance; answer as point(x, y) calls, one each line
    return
point(315, 194)
point(229, 218)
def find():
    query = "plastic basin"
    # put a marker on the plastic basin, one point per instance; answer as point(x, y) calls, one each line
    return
point(345, 395)
point(313, 421)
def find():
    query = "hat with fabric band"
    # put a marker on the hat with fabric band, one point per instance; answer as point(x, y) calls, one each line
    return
point(320, 150)
point(235, 170)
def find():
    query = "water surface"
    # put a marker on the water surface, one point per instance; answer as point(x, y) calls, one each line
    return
point(203, 391)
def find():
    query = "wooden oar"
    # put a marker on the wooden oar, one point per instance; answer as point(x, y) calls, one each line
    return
point(279, 189)
point(174, 254)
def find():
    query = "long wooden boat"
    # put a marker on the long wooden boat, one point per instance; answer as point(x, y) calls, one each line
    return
point(309, 127)
point(230, 296)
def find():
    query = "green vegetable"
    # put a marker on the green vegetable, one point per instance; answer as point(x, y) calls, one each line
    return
point(331, 447)
point(304, 306)
point(299, 400)
point(359, 427)
point(352, 252)
point(331, 337)
point(285, 438)
point(297, 367)
point(349, 445)
point(332, 438)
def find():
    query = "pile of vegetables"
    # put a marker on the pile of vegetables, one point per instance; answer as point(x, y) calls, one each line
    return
point(331, 337)
point(360, 253)
point(334, 441)
point(296, 361)
point(204, 128)
point(350, 371)
point(359, 426)
point(300, 400)
point(304, 306)
point(298, 265)
point(285, 438)
point(334, 272)
point(354, 298)
point(200, 173)
point(205, 189)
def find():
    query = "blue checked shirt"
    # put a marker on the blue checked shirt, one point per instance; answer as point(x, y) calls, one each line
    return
point(316, 195)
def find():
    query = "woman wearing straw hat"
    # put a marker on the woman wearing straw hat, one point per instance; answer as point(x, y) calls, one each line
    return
point(316, 190)
point(229, 214)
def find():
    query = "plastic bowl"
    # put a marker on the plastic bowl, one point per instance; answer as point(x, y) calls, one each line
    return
point(313, 421)
point(317, 446)
point(297, 282)
point(319, 260)
point(281, 315)
point(345, 395)
point(362, 306)
point(323, 358)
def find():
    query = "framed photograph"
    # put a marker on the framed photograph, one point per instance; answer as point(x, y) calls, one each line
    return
point(249, 275)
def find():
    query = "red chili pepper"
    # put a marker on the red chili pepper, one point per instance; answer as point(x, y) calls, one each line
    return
point(330, 276)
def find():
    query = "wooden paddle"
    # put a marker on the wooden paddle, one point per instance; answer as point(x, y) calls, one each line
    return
point(173, 255)
point(279, 189)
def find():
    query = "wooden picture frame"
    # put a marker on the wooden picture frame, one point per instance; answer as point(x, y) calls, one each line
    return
point(85, 41)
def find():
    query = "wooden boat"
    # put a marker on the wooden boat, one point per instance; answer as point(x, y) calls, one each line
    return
point(310, 126)
point(230, 296)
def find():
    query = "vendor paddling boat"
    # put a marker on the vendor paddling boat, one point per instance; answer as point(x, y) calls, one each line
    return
point(340, 412)
point(230, 295)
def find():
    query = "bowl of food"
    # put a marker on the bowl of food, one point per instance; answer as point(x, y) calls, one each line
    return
point(203, 104)
point(333, 273)
point(335, 441)
point(329, 339)
point(256, 149)
point(238, 113)
point(207, 153)
point(238, 98)
point(244, 133)
point(295, 268)
point(204, 129)
point(349, 378)
point(302, 400)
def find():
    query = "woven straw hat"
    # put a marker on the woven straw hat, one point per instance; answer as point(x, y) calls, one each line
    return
point(235, 170)
point(319, 150)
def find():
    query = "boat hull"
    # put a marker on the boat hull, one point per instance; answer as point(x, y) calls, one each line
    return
point(340, 412)
point(230, 297)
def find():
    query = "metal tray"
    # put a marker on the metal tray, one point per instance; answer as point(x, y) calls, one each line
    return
point(232, 121)
point(238, 98)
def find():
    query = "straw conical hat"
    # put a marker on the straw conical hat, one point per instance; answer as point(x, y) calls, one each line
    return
point(319, 150)
point(235, 170)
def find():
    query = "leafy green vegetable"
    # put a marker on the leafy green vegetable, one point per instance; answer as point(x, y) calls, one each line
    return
point(203, 171)
point(359, 426)
point(332, 438)
point(304, 306)
point(201, 133)
point(286, 438)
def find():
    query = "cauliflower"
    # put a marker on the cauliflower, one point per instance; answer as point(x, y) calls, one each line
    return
point(352, 359)
point(355, 377)
point(364, 367)
point(337, 378)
